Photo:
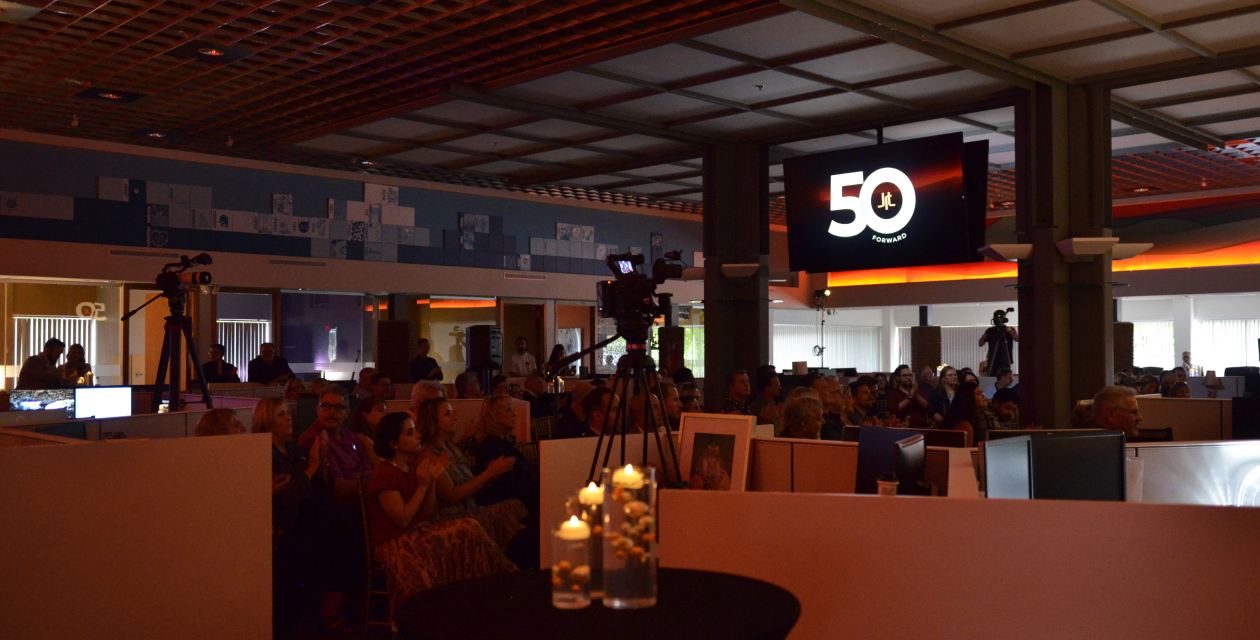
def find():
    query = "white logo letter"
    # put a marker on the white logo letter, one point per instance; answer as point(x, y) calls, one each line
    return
point(860, 205)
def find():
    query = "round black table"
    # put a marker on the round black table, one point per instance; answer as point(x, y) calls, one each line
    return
point(695, 605)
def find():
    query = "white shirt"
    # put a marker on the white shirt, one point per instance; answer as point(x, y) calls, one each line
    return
point(988, 393)
point(520, 365)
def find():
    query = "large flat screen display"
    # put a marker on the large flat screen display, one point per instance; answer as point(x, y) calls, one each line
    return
point(901, 204)
point(102, 402)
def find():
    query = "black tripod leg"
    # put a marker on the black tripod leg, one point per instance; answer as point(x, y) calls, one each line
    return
point(619, 421)
point(161, 375)
point(669, 435)
point(196, 358)
point(602, 431)
point(649, 416)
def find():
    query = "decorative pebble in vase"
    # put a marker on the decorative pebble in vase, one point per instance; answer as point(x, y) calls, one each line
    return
point(629, 537)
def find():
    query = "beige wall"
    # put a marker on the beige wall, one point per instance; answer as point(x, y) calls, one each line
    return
point(870, 567)
point(155, 539)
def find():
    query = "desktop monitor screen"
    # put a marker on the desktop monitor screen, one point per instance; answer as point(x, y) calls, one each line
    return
point(41, 399)
point(911, 463)
point(1007, 473)
point(102, 402)
point(876, 454)
point(1088, 466)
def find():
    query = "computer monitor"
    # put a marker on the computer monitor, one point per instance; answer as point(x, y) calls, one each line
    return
point(1008, 468)
point(76, 430)
point(41, 399)
point(876, 455)
point(931, 437)
point(1085, 466)
point(102, 402)
point(998, 434)
point(910, 457)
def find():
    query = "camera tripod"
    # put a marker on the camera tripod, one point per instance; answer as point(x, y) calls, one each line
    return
point(178, 329)
point(632, 375)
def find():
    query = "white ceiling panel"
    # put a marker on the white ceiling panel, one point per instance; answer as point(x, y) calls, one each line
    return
point(667, 63)
point(471, 113)
point(569, 88)
point(1226, 35)
point(937, 11)
point(782, 35)
point(1209, 107)
point(873, 63)
point(344, 144)
point(996, 140)
point(741, 123)
point(1113, 56)
point(650, 188)
point(506, 167)
point(831, 106)
point(1138, 140)
point(656, 171)
point(758, 87)
point(405, 129)
point(776, 187)
point(1005, 158)
point(1003, 117)
point(1054, 25)
point(490, 143)
point(593, 181)
point(636, 143)
point(1237, 127)
point(829, 143)
point(572, 156)
point(659, 108)
point(776, 170)
point(559, 129)
point(689, 197)
point(697, 181)
point(924, 129)
point(1180, 86)
point(940, 88)
point(1169, 10)
point(429, 156)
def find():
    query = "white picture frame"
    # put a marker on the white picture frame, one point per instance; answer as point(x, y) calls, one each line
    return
point(710, 440)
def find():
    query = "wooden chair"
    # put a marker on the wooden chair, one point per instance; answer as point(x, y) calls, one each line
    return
point(375, 572)
point(541, 428)
point(529, 450)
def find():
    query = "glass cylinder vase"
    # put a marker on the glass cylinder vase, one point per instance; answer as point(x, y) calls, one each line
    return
point(570, 565)
point(629, 537)
point(588, 505)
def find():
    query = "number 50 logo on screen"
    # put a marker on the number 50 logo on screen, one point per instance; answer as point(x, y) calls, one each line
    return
point(860, 205)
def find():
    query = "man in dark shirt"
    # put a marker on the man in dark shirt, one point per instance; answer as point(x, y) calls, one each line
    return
point(864, 395)
point(597, 405)
point(40, 370)
point(541, 403)
point(424, 367)
point(906, 400)
point(740, 389)
point(269, 368)
point(216, 369)
point(572, 421)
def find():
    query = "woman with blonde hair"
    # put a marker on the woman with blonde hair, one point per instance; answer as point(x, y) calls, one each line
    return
point(802, 417)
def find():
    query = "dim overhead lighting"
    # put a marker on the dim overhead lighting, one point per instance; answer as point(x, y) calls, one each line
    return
point(230, 141)
point(1008, 204)
point(109, 96)
point(775, 301)
point(74, 122)
point(1141, 190)
point(697, 302)
point(826, 292)
point(210, 51)
point(366, 163)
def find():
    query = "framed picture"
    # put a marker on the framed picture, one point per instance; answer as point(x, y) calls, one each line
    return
point(714, 451)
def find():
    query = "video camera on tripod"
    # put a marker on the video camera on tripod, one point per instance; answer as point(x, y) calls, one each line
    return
point(1000, 318)
point(630, 299)
point(174, 281)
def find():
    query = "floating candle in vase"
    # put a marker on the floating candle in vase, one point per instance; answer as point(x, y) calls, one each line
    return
point(627, 478)
point(591, 495)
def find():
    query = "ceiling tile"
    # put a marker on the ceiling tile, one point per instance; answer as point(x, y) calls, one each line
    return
point(656, 170)
point(1137, 140)
point(924, 129)
point(781, 35)
point(650, 188)
point(746, 122)
point(429, 156)
point(941, 88)
point(1209, 107)
point(471, 113)
point(344, 144)
point(559, 129)
point(689, 197)
point(776, 187)
point(593, 181)
point(831, 106)
point(663, 64)
point(1113, 56)
point(744, 89)
point(571, 156)
point(872, 63)
point(490, 143)
point(659, 108)
point(1181, 86)
point(405, 130)
point(1247, 127)
point(776, 170)
point(1003, 117)
point(506, 167)
point(1226, 35)
point(1054, 25)
point(1169, 10)
point(937, 11)
point(636, 143)
point(829, 143)
point(569, 88)
point(1004, 158)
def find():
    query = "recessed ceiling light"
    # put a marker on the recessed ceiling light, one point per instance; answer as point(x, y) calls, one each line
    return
point(112, 95)
point(697, 301)
point(155, 134)
point(210, 51)
point(1141, 190)
point(1008, 204)
point(109, 96)
point(775, 301)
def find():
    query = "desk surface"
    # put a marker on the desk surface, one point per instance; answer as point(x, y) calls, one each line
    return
point(696, 605)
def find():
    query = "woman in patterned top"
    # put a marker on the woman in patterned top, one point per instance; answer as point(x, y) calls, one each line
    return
point(970, 412)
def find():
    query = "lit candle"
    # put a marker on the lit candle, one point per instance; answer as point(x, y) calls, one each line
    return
point(591, 495)
point(574, 529)
point(627, 478)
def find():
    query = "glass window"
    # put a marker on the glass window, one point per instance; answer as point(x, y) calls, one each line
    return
point(326, 333)
point(77, 314)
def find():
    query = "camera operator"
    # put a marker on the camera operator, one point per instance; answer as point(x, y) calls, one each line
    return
point(1001, 339)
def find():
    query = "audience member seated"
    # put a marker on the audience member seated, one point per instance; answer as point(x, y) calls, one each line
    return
point(292, 389)
point(318, 385)
point(864, 392)
point(928, 381)
point(424, 367)
point(553, 362)
point(346, 459)
point(40, 370)
point(597, 405)
point(836, 403)
point(967, 375)
point(1005, 405)
point(1116, 409)
point(802, 417)
point(672, 404)
point(268, 368)
point(219, 422)
point(216, 369)
point(970, 412)
point(521, 363)
point(1181, 390)
point(425, 390)
point(943, 395)
point(881, 387)
point(468, 386)
point(738, 393)
point(638, 413)
point(401, 498)
point(766, 405)
point(490, 443)
point(363, 425)
point(1004, 380)
point(682, 376)
point(382, 386)
point(906, 400)
point(1166, 381)
point(458, 487)
point(364, 387)
point(1179, 373)
point(76, 371)
point(572, 422)
point(1082, 416)
point(499, 385)
point(298, 516)
point(541, 403)
point(689, 395)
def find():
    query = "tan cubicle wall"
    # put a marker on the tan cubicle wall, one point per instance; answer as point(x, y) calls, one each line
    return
point(827, 466)
point(1191, 419)
point(19, 438)
point(181, 424)
point(158, 539)
point(873, 568)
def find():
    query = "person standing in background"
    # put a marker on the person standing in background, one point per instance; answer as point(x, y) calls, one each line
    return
point(521, 363)
point(423, 366)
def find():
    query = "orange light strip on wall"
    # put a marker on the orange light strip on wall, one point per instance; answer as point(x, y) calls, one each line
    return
point(463, 304)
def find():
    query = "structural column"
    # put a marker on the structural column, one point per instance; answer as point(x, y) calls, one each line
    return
point(736, 231)
point(1063, 178)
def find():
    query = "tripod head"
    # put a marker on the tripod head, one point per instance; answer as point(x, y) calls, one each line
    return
point(630, 299)
point(174, 281)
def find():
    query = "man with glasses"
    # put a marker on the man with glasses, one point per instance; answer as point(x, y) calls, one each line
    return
point(1116, 408)
point(907, 400)
point(346, 458)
